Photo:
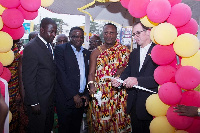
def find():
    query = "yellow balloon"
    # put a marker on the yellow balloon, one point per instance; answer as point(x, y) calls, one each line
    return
point(152, 35)
point(7, 58)
point(161, 125)
point(1, 23)
point(46, 3)
point(155, 106)
point(186, 45)
point(165, 34)
point(192, 61)
point(197, 88)
point(148, 23)
point(1, 9)
point(6, 42)
point(10, 116)
point(113, 0)
point(181, 131)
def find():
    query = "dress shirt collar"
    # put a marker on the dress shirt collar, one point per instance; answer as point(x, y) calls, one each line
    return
point(45, 42)
point(146, 48)
point(74, 49)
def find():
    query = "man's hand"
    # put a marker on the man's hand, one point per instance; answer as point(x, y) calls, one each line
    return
point(78, 101)
point(86, 100)
point(36, 109)
point(93, 90)
point(115, 83)
point(130, 82)
point(183, 110)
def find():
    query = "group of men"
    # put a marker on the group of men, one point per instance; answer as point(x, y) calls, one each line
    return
point(62, 75)
point(68, 65)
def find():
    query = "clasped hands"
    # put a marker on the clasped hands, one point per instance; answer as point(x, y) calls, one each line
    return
point(128, 83)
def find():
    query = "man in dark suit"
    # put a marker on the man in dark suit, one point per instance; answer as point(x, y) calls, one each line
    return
point(38, 73)
point(139, 72)
point(72, 70)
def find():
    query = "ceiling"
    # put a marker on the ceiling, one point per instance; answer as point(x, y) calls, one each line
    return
point(70, 7)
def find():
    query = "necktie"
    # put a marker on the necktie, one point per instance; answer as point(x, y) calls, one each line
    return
point(49, 48)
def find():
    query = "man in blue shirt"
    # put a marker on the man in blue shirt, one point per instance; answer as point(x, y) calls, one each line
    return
point(72, 70)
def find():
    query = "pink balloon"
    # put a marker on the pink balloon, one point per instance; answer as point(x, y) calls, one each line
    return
point(158, 10)
point(170, 93)
point(137, 8)
point(1, 68)
point(177, 121)
point(6, 74)
point(167, 56)
point(194, 128)
point(12, 18)
point(10, 3)
point(2, 88)
point(191, 27)
point(187, 77)
point(124, 3)
point(31, 5)
point(175, 64)
point(173, 2)
point(14, 33)
point(27, 14)
point(164, 74)
point(180, 15)
point(191, 98)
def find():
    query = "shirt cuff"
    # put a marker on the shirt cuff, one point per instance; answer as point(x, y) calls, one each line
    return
point(34, 104)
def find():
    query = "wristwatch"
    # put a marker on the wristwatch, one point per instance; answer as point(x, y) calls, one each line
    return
point(198, 110)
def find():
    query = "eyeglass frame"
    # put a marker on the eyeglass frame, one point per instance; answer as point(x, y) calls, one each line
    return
point(138, 33)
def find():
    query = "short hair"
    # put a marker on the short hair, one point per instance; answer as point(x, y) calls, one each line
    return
point(110, 24)
point(32, 35)
point(75, 28)
point(96, 36)
point(144, 27)
point(61, 35)
point(46, 21)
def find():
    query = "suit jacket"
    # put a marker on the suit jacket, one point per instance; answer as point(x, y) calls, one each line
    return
point(145, 79)
point(38, 71)
point(68, 74)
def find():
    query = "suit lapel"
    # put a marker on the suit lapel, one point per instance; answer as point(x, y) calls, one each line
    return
point(71, 54)
point(44, 47)
point(136, 60)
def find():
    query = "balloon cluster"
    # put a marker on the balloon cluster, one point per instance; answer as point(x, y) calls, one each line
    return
point(12, 15)
point(177, 54)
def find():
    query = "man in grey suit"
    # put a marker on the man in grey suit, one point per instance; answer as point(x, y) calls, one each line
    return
point(38, 73)
point(72, 71)
point(140, 72)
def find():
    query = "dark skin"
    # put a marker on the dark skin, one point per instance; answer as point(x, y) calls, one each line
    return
point(48, 33)
point(110, 36)
point(77, 39)
point(183, 110)
point(94, 42)
point(3, 113)
point(61, 39)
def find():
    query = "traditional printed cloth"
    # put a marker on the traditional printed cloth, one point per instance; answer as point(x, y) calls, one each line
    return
point(19, 120)
point(110, 117)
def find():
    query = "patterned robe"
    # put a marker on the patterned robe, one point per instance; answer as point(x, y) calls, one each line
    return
point(19, 118)
point(110, 117)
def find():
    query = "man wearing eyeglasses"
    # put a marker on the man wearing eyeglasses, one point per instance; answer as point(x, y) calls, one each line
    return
point(139, 72)
point(94, 42)
point(72, 72)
